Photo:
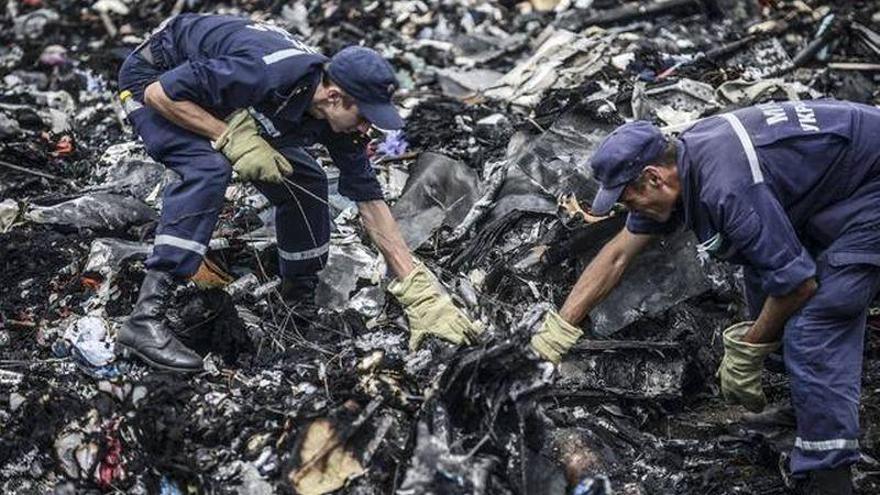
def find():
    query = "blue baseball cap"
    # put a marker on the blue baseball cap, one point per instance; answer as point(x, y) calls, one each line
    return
point(620, 158)
point(369, 79)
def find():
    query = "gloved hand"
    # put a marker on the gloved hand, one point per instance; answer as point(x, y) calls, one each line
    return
point(430, 309)
point(740, 370)
point(251, 156)
point(555, 337)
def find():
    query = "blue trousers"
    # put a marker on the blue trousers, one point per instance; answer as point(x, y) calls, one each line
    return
point(190, 208)
point(822, 347)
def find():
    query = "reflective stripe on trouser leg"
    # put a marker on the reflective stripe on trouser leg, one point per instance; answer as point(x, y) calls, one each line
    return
point(823, 355)
point(189, 212)
point(190, 207)
point(302, 222)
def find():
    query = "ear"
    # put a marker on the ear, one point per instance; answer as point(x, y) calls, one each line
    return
point(334, 95)
point(654, 176)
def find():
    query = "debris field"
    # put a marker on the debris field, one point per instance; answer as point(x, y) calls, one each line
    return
point(505, 102)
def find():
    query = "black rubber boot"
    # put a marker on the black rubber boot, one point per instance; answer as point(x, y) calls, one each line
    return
point(145, 335)
point(299, 294)
point(299, 290)
point(837, 481)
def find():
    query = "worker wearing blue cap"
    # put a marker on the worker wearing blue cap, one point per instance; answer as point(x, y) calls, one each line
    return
point(790, 191)
point(212, 94)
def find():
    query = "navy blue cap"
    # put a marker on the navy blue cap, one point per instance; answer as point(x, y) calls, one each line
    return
point(620, 159)
point(369, 79)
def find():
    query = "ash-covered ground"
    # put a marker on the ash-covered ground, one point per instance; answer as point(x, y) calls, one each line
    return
point(504, 102)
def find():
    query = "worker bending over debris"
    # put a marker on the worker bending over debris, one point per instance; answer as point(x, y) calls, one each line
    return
point(791, 191)
point(210, 94)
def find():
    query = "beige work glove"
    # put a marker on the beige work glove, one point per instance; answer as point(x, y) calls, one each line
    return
point(555, 337)
point(740, 370)
point(251, 156)
point(430, 309)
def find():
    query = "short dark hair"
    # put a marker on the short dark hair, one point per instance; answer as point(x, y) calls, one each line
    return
point(326, 80)
point(668, 158)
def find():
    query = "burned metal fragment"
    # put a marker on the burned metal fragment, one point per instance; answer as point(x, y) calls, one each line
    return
point(505, 103)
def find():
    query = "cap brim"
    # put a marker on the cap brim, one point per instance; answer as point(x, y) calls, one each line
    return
point(605, 200)
point(382, 115)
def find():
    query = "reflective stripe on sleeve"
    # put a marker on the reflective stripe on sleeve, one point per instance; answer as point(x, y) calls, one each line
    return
point(170, 240)
point(748, 147)
point(281, 55)
point(304, 255)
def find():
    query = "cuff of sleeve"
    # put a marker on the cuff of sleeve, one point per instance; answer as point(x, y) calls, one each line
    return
point(358, 190)
point(783, 280)
point(640, 225)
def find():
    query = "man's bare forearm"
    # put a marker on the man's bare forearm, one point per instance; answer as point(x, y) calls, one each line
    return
point(776, 311)
point(602, 275)
point(186, 114)
point(385, 234)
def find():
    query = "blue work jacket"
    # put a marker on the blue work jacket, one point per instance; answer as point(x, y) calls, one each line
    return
point(225, 63)
point(775, 185)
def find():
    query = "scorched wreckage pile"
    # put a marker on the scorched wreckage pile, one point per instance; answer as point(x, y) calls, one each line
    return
point(504, 103)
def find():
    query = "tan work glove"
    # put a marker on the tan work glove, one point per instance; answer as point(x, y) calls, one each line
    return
point(430, 309)
point(740, 370)
point(555, 337)
point(251, 156)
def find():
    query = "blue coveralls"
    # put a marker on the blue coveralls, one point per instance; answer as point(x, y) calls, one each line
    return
point(792, 191)
point(224, 64)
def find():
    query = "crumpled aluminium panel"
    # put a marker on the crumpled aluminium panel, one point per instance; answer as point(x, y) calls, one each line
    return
point(439, 191)
point(563, 60)
point(662, 276)
point(347, 265)
point(541, 169)
point(132, 177)
point(676, 103)
point(95, 211)
point(761, 59)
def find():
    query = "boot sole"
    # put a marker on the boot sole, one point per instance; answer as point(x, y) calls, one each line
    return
point(128, 352)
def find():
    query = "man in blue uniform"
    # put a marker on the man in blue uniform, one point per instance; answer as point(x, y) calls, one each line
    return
point(211, 94)
point(791, 191)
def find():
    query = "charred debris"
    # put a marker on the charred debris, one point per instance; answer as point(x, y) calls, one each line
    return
point(505, 102)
